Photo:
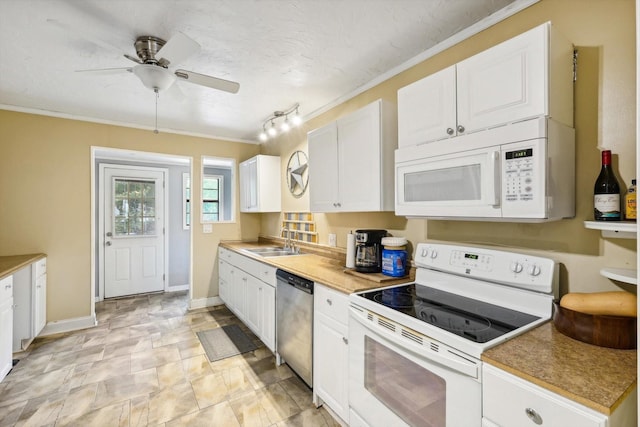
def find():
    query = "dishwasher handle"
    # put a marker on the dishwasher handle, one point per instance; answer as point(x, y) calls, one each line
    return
point(297, 282)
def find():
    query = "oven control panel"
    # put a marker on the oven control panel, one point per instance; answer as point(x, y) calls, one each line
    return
point(510, 268)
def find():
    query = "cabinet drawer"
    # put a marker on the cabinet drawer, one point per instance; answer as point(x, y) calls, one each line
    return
point(268, 274)
point(509, 401)
point(332, 303)
point(41, 267)
point(6, 289)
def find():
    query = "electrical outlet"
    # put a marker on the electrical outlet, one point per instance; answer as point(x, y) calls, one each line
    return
point(207, 228)
point(332, 240)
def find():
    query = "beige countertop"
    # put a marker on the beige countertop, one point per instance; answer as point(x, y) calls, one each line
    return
point(13, 263)
point(324, 265)
point(597, 377)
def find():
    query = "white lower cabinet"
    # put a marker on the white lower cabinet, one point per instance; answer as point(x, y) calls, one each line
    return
point(510, 401)
point(331, 350)
point(248, 289)
point(30, 301)
point(6, 326)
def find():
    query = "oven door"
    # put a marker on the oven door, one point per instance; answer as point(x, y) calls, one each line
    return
point(400, 378)
point(461, 184)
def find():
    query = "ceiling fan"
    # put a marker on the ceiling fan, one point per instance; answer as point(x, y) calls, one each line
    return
point(155, 55)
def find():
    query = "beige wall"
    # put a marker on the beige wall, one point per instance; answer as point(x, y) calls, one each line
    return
point(603, 32)
point(45, 168)
point(45, 200)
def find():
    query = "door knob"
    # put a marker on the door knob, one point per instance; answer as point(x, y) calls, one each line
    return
point(449, 131)
point(460, 129)
point(107, 243)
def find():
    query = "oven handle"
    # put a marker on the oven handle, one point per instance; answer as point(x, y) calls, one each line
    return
point(448, 360)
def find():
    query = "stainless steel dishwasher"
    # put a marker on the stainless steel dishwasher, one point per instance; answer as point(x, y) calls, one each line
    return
point(294, 324)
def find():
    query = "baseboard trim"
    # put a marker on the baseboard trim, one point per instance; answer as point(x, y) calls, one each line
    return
point(204, 302)
point(68, 325)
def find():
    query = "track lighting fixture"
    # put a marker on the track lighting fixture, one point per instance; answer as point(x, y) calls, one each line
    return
point(270, 127)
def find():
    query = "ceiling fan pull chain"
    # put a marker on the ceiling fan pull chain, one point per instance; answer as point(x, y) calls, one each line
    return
point(157, 96)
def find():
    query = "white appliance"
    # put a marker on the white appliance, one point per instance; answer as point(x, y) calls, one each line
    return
point(414, 349)
point(522, 172)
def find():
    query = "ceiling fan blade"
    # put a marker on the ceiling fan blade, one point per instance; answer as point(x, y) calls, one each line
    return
point(177, 49)
point(133, 58)
point(106, 70)
point(204, 80)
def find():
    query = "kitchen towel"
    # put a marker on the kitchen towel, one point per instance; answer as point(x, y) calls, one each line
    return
point(227, 341)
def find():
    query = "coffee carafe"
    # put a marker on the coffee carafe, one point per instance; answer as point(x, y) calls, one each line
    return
point(369, 250)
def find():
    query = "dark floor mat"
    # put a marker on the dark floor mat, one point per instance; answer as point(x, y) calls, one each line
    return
point(227, 341)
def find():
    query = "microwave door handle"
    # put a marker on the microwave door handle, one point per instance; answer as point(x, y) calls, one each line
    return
point(494, 167)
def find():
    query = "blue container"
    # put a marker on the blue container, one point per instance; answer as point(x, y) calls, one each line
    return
point(394, 257)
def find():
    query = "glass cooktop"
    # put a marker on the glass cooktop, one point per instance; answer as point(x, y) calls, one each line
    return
point(469, 318)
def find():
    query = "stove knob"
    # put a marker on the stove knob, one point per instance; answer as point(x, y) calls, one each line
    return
point(425, 251)
point(516, 267)
point(434, 254)
point(533, 270)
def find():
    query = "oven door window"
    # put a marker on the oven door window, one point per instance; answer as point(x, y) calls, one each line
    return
point(412, 392)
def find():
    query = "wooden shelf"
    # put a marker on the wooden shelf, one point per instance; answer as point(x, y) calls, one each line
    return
point(614, 229)
point(625, 275)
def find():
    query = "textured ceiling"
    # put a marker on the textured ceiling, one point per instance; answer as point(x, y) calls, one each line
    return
point(280, 51)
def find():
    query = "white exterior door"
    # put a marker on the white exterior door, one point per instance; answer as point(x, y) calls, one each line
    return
point(134, 221)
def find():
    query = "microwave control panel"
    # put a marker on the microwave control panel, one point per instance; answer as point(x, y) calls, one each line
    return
point(519, 175)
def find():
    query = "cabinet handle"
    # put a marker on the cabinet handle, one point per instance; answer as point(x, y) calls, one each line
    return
point(7, 286)
point(460, 129)
point(533, 415)
point(449, 131)
point(329, 301)
point(345, 340)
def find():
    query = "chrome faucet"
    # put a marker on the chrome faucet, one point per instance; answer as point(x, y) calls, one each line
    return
point(287, 238)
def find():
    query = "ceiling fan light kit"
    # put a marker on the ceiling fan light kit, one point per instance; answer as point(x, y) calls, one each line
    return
point(154, 77)
point(272, 130)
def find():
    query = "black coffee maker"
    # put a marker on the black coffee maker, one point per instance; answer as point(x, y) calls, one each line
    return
point(369, 250)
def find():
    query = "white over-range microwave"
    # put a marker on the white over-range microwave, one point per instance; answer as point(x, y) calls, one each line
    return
point(522, 172)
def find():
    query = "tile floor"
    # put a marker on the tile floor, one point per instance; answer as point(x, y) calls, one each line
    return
point(144, 365)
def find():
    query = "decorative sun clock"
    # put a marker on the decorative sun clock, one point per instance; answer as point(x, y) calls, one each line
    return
point(297, 173)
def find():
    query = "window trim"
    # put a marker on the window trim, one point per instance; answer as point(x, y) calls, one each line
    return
point(220, 200)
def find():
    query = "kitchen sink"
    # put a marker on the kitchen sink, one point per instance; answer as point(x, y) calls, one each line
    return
point(273, 251)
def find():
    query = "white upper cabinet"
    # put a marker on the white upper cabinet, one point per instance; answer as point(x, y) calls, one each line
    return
point(528, 76)
point(260, 184)
point(351, 161)
point(427, 109)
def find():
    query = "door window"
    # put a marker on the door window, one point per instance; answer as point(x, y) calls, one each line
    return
point(412, 392)
point(134, 210)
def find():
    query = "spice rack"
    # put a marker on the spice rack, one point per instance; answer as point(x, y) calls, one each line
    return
point(302, 224)
point(617, 230)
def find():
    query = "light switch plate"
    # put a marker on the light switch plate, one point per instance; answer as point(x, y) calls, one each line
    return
point(207, 228)
point(332, 240)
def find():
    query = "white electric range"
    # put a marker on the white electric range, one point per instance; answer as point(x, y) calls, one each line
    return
point(414, 354)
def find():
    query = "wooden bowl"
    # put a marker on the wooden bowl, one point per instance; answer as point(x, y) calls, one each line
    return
point(604, 331)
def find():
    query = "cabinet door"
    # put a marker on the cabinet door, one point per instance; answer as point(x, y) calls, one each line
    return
point(506, 83)
point(253, 305)
point(224, 279)
point(509, 401)
point(323, 169)
point(268, 331)
point(40, 304)
point(6, 326)
point(359, 163)
point(331, 364)
point(249, 185)
point(427, 109)
point(240, 281)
